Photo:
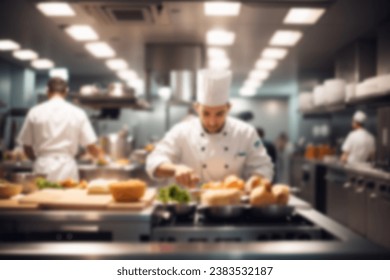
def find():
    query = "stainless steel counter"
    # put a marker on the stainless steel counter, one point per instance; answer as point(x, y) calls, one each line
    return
point(347, 244)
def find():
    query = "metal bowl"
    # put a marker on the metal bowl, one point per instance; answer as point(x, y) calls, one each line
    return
point(271, 212)
point(228, 212)
point(27, 180)
point(181, 210)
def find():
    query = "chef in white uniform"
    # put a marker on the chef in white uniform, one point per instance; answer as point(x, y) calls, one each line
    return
point(359, 147)
point(213, 145)
point(52, 132)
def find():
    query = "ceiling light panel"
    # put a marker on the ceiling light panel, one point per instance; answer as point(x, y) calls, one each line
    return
point(220, 8)
point(8, 45)
point(219, 63)
point(127, 75)
point(56, 9)
point(25, 54)
point(303, 15)
point(274, 53)
point(258, 75)
point(216, 53)
point(42, 64)
point(82, 33)
point(116, 64)
point(266, 64)
point(220, 37)
point(100, 50)
point(285, 38)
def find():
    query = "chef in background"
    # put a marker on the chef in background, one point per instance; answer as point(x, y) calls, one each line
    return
point(52, 133)
point(212, 145)
point(359, 147)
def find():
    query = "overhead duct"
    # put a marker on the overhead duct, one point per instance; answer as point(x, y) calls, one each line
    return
point(179, 63)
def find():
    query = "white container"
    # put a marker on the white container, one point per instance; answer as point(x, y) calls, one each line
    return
point(319, 96)
point(383, 82)
point(334, 91)
point(368, 87)
point(305, 101)
point(350, 91)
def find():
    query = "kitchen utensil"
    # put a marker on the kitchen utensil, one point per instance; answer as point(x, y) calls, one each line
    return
point(319, 95)
point(228, 212)
point(181, 210)
point(117, 145)
point(27, 180)
point(271, 212)
point(334, 90)
point(8, 190)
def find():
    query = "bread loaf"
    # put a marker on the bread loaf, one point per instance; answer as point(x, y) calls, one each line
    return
point(221, 197)
point(127, 191)
point(282, 194)
point(262, 196)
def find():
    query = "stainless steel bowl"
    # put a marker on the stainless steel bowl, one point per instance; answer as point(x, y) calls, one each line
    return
point(271, 212)
point(27, 180)
point(228, 212)
point(182, 209)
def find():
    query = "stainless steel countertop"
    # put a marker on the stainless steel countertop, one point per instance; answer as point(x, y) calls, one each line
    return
point(347, 246)
point(367, 171)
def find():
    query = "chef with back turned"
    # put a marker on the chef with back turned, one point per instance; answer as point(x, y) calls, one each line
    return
point(213, 145)
point(53, 132)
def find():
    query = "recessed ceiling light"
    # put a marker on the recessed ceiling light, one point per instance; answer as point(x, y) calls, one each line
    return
point(303, 15)
point(274, 53)
point(266, 64)
point(222, 8)
point(25, 54)
point(220, 37)
point(247, 91)
point(59, 73)
point(42, 64)
point(8, 45)
point(216, 53)
point(127, 75)
point(285, 38)
point(219, 63)
point(258, 75)
point(116, 64)
point(82, 33)
point(56, 9)
point(100, 49)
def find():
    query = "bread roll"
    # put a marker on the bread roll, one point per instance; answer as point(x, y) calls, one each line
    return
point(282, 194)
point(262, 196)
point(233, 182)
point(99, 186)
point(127, 191)
point(212, 186)
point(221, 197)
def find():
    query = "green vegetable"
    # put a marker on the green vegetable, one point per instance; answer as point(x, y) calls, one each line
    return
point(173, 193)
point(45, 184)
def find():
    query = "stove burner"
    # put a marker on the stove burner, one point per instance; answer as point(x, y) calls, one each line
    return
point(197, 228)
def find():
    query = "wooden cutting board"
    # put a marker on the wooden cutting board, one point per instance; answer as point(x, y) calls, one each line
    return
point(67, 199)
point(14, 204)
point(144, 202)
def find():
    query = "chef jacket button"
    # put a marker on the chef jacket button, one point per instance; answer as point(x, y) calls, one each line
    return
point(226, 149)
point(202, 134)
point(226, 166)
point(204, 166)
point(203, 149)
point(225, 134)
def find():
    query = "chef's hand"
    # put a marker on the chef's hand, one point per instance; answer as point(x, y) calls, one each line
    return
point(185, 176)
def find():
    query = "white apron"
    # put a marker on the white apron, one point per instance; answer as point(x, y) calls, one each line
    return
point(57, 167)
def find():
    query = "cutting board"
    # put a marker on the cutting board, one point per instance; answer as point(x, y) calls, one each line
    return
point(144, 202)
point(14, 204)
point(67, 199)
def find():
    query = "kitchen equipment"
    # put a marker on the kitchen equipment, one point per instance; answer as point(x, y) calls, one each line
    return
point(13, 204)
point(350, 91)
point(383, 139)
point(319, 96)
point(27, 180)
point(334, 91)
point(120, 90)
point(229, 212)
point(180, 210)
point(8, 190)
point(117, 145)
point(271, 212)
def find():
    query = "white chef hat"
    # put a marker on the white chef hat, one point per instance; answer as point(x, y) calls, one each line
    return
point(359, 117)
point(213, 87)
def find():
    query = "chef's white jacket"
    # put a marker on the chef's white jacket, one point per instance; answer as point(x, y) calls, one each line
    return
point(55, 129)
point(360, 144)
point(237, 149)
